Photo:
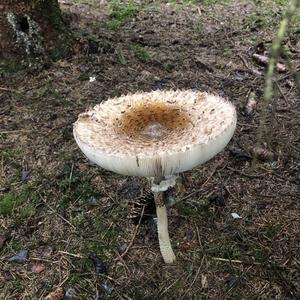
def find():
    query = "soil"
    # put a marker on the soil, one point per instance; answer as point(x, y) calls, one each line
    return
point(65, 210)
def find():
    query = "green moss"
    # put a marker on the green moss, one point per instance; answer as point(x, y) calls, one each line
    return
point(57, 53)
point(120, 56)
point(73, 279)
point(16, 245)
point(8, 202)
point(73, 190)
point(11, 67)
point(27, 211)
point(169, 66)
point(227, 52)
point(273, 230)
point(9, 154)
point(11, 201)
point(282, 2)
point(140, 53)
point(120, 13)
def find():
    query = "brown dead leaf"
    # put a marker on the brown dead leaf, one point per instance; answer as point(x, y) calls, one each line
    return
point(57, 294)
point(186, 245)
point(83, 167)
point(37, 268)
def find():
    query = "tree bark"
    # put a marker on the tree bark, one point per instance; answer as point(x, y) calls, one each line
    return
point(31, 30)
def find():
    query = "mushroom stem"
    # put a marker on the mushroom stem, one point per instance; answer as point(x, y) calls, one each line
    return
point(162, 229)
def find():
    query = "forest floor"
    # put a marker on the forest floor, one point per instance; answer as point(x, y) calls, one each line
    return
point(71, 215)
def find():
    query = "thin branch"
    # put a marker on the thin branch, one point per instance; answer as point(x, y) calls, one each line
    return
point(55, 212)
point(134, 235)
point(275, 52)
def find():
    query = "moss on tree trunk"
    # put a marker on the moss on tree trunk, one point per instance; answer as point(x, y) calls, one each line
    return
point(31, 30)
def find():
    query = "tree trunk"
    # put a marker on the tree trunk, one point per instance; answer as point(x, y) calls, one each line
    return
point(31, 30)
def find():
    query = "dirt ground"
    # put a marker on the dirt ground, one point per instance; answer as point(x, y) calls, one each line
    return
point(72, 216)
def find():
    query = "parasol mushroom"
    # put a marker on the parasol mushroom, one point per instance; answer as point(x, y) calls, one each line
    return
point(156, 135)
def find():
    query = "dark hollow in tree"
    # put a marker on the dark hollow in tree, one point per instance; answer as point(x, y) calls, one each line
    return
point(31, 30)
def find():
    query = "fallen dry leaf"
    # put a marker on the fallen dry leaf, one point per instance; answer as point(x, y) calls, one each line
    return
point(185, 245)
point(83, 167)
point(37, 268)
point(57, 294)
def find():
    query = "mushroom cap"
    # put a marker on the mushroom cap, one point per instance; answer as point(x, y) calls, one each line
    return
point(155, 134)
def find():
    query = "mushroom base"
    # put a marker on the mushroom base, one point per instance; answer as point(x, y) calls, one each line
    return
point(162, 229)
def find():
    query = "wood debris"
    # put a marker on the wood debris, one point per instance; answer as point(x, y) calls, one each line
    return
point(57, 294)
point(264, 60)
point(251, 104)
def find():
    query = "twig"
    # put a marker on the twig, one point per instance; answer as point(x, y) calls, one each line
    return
point(235, 261)
point(207, 180)
point(122, 261)
point(163, 292)
point(227, 260)
point(194, 280)
point(283, 178)
point(134, 235)
point(275, 51)
point(45, 260)
point(70, 254)
point(54, 211)
point(244, 61)
point(70, 177)
point(14, 131)
point(6, 89)
point(247, 175)
point(198, 237)
point(110, 278)
point(281, 93)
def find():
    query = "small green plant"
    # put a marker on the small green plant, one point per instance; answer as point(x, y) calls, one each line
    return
point(257, 21)
point(169, 66)
point(73, 186)
point(16, 245)
point(120, 13)
point(282, 2)
point(27, 211)
point(227, 52)
point(56, 54)
point(273, 230)
point(141, 53)
point(10, 67)
point(11, 201)
point(120, 56)
point(8, 202)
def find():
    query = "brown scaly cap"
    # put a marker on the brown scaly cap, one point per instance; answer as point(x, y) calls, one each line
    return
point(156, 133)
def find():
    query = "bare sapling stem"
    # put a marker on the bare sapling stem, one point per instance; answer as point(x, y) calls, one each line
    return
point(162, 229)
point(275, 53)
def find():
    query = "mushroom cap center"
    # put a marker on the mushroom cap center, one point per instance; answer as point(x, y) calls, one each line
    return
point(154, 130)
point(152, 120)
